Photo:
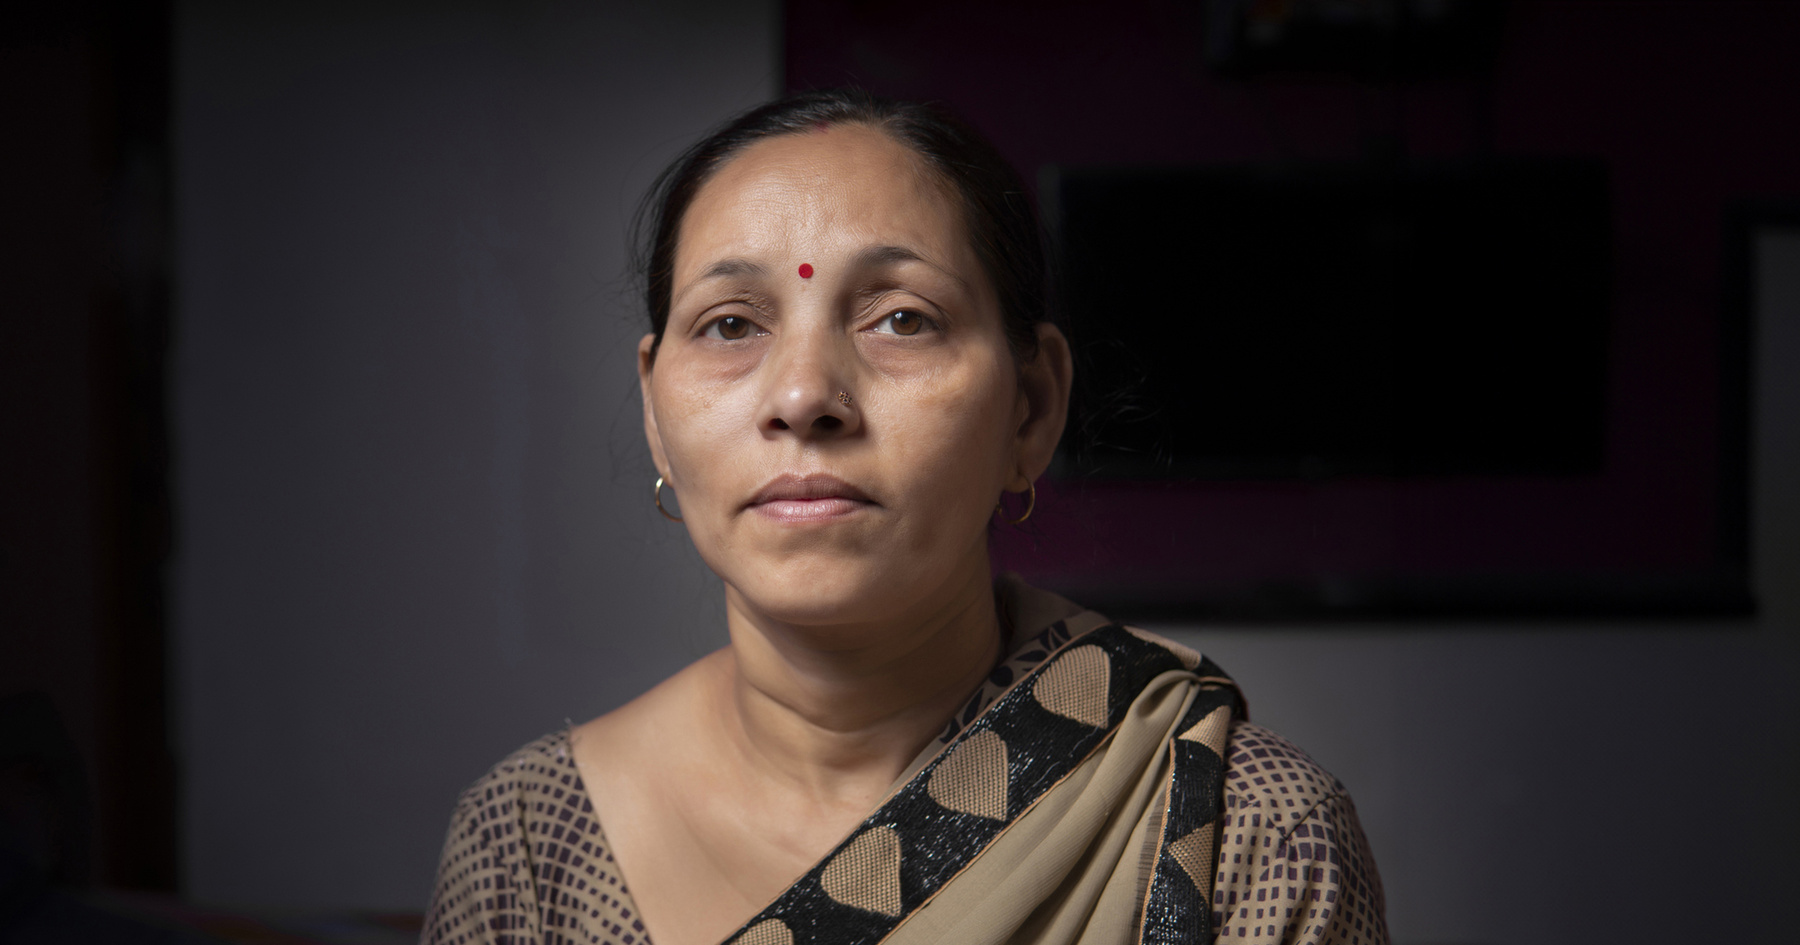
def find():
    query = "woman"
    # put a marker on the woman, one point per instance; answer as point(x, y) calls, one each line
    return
point(849, 362)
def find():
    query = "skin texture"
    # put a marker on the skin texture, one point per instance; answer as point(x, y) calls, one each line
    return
point(858, 600)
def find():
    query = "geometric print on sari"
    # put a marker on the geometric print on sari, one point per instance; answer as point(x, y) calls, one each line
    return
point(1035, 734)
point(1027, 655)
point(1176, 907)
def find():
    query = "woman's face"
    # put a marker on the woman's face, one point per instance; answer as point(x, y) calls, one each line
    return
point(815, 269)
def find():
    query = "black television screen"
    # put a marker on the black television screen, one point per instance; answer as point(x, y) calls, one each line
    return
point(1323, 321)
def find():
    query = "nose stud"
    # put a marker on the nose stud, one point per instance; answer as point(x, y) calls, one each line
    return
point(844, 398)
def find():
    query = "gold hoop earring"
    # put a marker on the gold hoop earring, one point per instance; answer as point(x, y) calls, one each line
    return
point(659, 506)
point(1030, 503)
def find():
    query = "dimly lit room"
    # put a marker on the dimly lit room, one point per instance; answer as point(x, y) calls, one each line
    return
point(1431, 372)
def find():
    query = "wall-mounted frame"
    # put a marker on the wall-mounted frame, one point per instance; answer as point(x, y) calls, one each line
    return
point(1637, 526)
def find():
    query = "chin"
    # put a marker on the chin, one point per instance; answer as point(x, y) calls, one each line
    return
point(820, 590)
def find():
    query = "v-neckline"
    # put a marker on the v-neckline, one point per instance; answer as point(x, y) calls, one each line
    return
point(1020, 606)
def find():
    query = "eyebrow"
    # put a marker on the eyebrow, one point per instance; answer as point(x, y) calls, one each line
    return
point(731, 268)
point(876, 257)
point(734, 267)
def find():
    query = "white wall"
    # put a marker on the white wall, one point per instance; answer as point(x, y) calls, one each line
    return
point(415, 527)
point(414, 505)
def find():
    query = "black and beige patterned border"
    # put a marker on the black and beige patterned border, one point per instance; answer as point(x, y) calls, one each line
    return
point(1178, 905)
point(1002, 763)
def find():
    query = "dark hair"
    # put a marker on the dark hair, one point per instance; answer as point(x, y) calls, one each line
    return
point(997, 211)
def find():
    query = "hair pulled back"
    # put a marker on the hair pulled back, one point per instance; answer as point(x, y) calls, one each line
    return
point(998, 215)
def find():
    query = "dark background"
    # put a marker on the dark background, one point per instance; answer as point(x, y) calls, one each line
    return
point(1674, 105)
point(321, 482)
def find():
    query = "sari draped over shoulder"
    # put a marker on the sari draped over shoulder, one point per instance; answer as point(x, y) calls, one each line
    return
point(1103, 787)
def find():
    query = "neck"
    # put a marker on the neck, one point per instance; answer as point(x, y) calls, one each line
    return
point(840, 723)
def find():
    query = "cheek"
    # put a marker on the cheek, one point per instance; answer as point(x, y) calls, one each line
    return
point(695, 423)
point(955, 431)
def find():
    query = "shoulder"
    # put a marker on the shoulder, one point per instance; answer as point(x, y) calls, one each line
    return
point(1294, 865)
point(523, 786)
point(524, 850)
point(543, 761)
point(1268, 773)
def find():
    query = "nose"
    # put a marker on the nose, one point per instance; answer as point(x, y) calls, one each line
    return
point(807, 373)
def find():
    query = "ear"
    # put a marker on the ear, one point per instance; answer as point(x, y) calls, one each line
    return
point(646, 363)
point(1045, 381)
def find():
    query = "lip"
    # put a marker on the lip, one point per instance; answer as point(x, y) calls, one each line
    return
point(810, 498)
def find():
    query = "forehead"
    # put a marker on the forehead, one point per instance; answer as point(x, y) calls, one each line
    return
point(797, 192)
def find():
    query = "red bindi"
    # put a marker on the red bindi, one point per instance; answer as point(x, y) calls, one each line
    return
point(806, 270)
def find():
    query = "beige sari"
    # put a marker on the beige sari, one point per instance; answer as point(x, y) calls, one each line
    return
point(1082, 806)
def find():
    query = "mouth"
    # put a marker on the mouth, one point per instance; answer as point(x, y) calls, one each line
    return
point(813, 498)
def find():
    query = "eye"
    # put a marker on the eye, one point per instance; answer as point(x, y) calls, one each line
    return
point(903, 322)
point(731, 328)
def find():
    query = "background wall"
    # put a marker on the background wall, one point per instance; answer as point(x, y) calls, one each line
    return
point(415, 528)
point(86, 780)
point(415, 514)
